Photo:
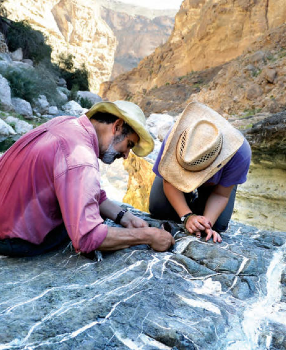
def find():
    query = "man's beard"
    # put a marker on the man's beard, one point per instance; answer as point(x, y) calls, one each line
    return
point(111, 154)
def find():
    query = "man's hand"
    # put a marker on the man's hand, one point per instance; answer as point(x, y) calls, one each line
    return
point(131, 221)
point(161, 240)
point(120, 238)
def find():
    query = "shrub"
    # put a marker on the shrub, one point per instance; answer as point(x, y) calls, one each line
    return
point(72, 75)
point(85, 102)
point(28, 84)
point(32, 42)
point(73, 93)
point(22, 83)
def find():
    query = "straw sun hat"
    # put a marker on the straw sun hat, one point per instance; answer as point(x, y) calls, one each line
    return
point(200, 144)
point(133, 116)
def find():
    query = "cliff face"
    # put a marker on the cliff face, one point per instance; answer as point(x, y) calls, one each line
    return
point(207, 33)
point(137, 36)
point(98, 33)
point(74, 27)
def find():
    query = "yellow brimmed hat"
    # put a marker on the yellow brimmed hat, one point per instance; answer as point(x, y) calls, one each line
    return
point(133, 116)
point(200, 144)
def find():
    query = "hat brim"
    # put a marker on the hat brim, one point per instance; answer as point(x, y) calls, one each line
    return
point(134, 117)
point(169, 167)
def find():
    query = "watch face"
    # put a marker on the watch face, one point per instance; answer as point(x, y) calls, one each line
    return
point(183, 218)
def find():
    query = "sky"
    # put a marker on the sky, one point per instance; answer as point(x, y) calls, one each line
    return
point(156, 4)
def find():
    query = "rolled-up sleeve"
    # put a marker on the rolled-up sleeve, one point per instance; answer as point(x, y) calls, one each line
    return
point(79, 195)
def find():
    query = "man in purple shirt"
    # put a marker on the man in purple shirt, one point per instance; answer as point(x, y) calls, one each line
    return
point(50, 184)
point(201, 161)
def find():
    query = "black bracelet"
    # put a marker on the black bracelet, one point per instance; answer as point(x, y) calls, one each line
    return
point(187, 218)
point(120, 216)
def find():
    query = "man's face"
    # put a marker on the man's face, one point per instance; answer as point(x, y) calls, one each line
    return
point(119, 147)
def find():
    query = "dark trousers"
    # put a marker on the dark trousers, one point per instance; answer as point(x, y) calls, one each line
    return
point(160, 207)
point(17, 247)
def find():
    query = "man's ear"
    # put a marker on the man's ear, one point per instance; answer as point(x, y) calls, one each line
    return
point(117, 126)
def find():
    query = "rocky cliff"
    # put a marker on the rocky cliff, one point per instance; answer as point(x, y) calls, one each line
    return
point(96, 32)
point(72, 27)
point(207, 34)
point(138, 36)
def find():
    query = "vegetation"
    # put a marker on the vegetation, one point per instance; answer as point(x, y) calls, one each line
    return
point(256, 72)
point(33, 42)
point(73, 76)
point(250, 112)
point(28, 84)
point(85, 102)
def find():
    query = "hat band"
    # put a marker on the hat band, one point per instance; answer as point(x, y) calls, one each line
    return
point(204, 160)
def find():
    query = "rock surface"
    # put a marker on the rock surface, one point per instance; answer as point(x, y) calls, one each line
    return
point(195, 296)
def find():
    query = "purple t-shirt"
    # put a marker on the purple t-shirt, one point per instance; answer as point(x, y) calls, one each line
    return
point(234, 172)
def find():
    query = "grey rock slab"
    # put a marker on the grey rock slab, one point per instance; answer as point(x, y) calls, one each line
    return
point(198, 295)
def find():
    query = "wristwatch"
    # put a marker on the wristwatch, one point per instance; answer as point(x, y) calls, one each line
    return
point(185, 217)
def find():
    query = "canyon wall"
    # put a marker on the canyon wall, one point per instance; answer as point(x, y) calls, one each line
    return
point(207, 33)
point(138, 36)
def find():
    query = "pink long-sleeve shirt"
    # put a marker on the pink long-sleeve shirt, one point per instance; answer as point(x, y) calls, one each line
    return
point(50, 176)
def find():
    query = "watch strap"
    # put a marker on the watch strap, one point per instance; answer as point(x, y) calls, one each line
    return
point(186, 217)
point(120, 216)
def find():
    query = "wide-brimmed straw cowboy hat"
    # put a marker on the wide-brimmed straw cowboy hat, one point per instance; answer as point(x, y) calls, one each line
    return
point(133, 116)
point(200, 144)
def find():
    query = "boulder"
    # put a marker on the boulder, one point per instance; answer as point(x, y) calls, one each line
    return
point(17, 55)
point(159, 124)
point(90, 96)
point(20, 126)
point(197, 295)
point(5, 130)
point(63, 92)
point(22, 107)
point(73, 108)
point(253, 92)
point(53, 110)
point(28, 61)
point(267, 137)
point(41, 105)
point(62, 82)
point(270, 75)
point(5, 95)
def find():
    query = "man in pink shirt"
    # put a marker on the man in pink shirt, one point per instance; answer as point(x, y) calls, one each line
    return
point(50, 184)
